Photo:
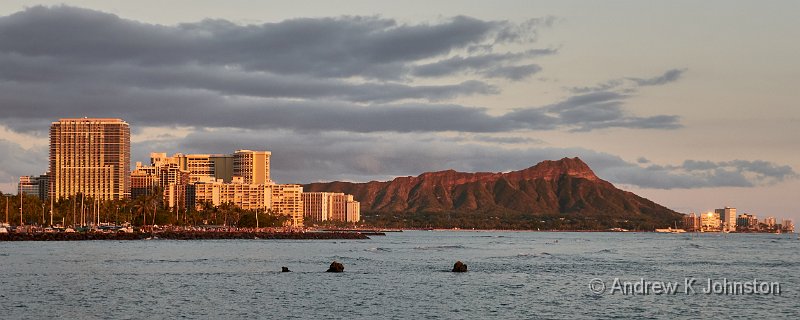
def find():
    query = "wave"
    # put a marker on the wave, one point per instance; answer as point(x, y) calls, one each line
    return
point(442, 247)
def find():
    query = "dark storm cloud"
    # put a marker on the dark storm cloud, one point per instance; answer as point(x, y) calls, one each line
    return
point(301, 74)
point(323, 47)
point(227, 81)
point(25, 107)
point(308, 157)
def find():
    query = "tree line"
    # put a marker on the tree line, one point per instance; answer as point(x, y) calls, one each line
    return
point(145, 210)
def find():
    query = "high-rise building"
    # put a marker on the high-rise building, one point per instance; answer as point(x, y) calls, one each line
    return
point(44, 186)
point(287, 200)
point(746, 222)
point(252, 166)
point(710, 221)
point(29, 185)
point(770, 222)
point(330, 206)
point(353, 211)
point(90, 156)
point(245, 196)
point(787, 225)
point(691, 222)
point(728, 218)
point(144, 180)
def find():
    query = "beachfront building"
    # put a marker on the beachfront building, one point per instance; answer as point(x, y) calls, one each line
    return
point(353, 211)
point(90, 156)
point(331, 206)
point(28, 185)
point(727, 216)
point(770, 222)
point(710, 222)
point(242, 195)
point(787, 225)
point(252, 166)
point(287, 200)
point(746, 222)
point(691, 222)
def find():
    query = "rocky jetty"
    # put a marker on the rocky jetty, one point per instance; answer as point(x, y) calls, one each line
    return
point(180, 235)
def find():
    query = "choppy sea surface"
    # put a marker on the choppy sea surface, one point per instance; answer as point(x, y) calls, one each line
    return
point(512, 275)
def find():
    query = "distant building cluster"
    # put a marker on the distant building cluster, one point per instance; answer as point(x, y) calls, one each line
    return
point(331, 206)
point(91, 156)
point(726, 220)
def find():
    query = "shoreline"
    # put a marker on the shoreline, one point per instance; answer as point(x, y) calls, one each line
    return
point(182, 235)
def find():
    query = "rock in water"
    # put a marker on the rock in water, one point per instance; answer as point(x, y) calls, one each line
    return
point(459, 267)
point(336, 267)
point(285, 269)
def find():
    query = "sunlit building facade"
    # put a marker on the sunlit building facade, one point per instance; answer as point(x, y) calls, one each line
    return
point(90, 156)
point(710, 222)
point(287, 200)
point(252, 166)
point(331, 206)
point(727, 218)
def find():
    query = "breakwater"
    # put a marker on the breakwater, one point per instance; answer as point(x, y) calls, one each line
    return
point(181, 235)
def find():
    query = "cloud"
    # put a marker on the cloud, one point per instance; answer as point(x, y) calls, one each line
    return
point(355, 74)
point(307, 157)
point(631, 84)
point(489, 65)
point(668, 76)
point(16, 161)
point(591, 111)
point(342, 47)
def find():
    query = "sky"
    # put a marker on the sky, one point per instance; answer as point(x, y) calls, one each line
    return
point(692, 104)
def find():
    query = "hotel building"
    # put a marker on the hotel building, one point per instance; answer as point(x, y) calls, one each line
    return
point(788, 225)
point(28, 185)
point(245, 196)
point(746, 222)
point(90, 156)
point(728, 218)
point(710, 222)
point(331, 206)
point(691, 222)
point(287, 200)
point(252, 166)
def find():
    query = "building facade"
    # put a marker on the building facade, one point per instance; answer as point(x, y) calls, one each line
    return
point(727, 217)
point(90, 156)
point(245, 196)
point(287, 200)
point(353, 211)
point(746, 222)
point(710, 222)
point(252, 166)
point(29, 185)
point(691, 222)
point(331, 206)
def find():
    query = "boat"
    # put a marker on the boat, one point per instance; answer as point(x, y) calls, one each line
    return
point(670, 230)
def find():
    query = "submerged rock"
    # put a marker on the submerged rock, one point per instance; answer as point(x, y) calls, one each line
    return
point(336, 267)
point(459, 267)
point(285, 269)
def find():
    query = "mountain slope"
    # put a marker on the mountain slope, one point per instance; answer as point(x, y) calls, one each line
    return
point(550, 189)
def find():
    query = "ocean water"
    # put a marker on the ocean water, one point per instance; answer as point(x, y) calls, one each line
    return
point(512, 275)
